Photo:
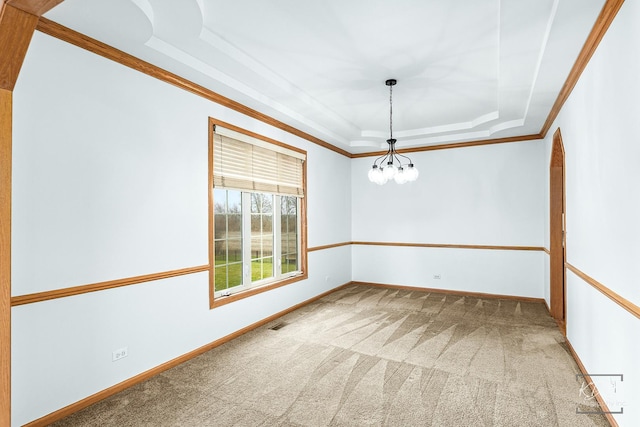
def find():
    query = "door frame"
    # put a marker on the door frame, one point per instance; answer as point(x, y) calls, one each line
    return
point(557, 231)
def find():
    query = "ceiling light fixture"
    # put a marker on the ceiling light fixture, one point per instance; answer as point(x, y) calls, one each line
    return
point(389, 166)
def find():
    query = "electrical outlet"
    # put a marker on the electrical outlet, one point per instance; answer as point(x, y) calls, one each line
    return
point(436, 276)
point(120, 353)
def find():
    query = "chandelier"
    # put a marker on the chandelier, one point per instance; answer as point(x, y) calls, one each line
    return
point(389, 166)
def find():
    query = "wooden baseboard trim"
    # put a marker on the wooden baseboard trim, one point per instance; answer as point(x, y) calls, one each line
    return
point(613, 296)
point(77, 406)
point(101, 286)
point(451, 292)
point(94, 398)
point(594, 389)
point(562, 324)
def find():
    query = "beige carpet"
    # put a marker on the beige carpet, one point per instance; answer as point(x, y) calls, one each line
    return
point(371, 356)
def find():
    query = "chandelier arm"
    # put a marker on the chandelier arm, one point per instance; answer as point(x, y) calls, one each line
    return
point(402, 155)
point(398, 158)
point(382, 158)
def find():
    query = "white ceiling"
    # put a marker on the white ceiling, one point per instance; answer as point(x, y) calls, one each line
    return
point(466, 69)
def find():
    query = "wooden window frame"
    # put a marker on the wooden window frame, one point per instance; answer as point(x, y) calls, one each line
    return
point(216, 301)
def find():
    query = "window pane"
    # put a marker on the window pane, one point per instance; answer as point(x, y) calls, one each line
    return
point(220, 226)
point(261, 236)
point(227, 238)
point(219, 201)
point(256, 245)
point(220, 252)
point(261, 268)
point(221, 278)
point(255, 222)
point(267, 245)
point(261, 203)
point(267, 267)
point(234, 275)
point(234, 202)
point(289, 263)
point(234, 250)
point(293, 224)
point(289, 234)
point(267, 223)
point(234, 225)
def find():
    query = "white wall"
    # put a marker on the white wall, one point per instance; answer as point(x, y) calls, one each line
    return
point(600, 128)
point(486, 195)
point(109, 182)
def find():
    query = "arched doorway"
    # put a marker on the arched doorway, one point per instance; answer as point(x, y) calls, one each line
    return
point(557, 231)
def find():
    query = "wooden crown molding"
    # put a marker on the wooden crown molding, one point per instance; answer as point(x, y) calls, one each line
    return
point(609, 11)
point(213, 122)
point(51, 28)
point(92, 45)
point(455, 145)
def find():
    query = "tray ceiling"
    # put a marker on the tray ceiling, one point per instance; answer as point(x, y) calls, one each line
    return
point(466, 69)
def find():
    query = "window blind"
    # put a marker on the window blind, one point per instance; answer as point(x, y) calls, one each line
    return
point(242, 162)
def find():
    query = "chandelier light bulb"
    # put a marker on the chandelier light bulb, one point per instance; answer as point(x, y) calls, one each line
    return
point(378, 177)
point(372, 173)
point(390, 171)
point(412, 173)
point(401, 176)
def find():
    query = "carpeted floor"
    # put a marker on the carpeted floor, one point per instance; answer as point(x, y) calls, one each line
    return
point(371, 356)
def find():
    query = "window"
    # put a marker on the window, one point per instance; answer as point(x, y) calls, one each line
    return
point(257, 214)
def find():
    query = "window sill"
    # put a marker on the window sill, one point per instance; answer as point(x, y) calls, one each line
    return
point(217, 301)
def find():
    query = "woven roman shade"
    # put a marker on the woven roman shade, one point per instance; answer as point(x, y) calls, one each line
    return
point(242, 162)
